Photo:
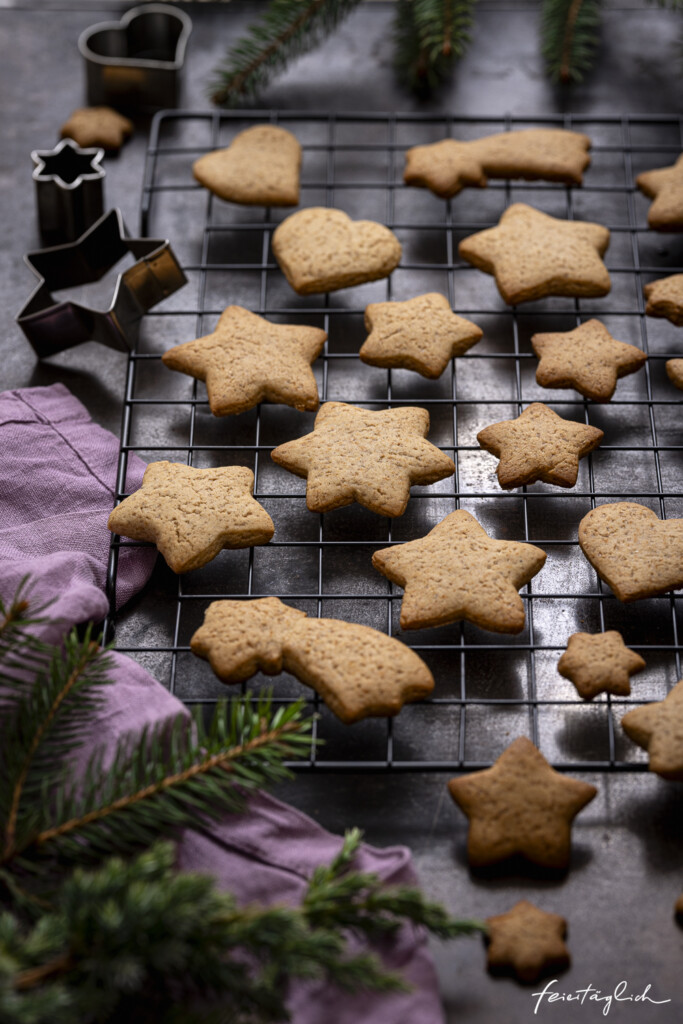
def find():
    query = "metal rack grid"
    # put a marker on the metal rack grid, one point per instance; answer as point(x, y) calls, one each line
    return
point(488, 689)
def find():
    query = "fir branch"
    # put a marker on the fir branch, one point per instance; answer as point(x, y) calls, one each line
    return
point(569, 34)
point(287, 29)
point(430, 35)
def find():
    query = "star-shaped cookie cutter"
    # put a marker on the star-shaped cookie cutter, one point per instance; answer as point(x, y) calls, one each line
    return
point(69, 192)
point(54, 325)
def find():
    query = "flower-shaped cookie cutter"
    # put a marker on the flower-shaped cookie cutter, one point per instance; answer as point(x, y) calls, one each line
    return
point(135, 63)
point(52, 325)
point(69, 189)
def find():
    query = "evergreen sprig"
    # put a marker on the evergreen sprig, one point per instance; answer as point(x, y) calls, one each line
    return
point(569, 33)
point(430, 35)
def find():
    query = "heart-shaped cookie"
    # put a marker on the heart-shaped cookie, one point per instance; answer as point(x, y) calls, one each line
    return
point(260, 167)
point(631, 549)
point(320, 250)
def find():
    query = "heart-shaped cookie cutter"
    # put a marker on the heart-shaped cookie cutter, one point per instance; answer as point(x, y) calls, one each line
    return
point(135, 63)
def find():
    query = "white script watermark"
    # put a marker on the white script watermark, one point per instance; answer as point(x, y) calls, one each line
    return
point(590, 994)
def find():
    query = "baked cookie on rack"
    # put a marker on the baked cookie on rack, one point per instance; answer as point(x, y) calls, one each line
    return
point(246, 360)
point(658, 728)
point(421, 334)
point(599, 663)
point(369, 457)
point(260, 167)
point(665, 187)
point(550, 154)
point(192, 514)
point(665, 298)
point(587, 359)
point(97, 126)
point(538, 445)
point(358, 671)
point(533, 255)
point(674, 371)
point(458, 572)
point(527, 942)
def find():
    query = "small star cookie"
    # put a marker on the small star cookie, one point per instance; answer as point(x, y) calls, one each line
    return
point(588, 359)
point(358, 671)
point(420, 334)
point(665, 187)
point(665, 298)
point(97, 126)
point(674, 371)
point(539, 445)
point(247, 360)
point(533, 255)
point(527, 942)
point(369, 457)
point(520, 807)
point(260, 167)
point(320, 250)
point(458, 572)
point(658, 728)
point(192, 514)
point(636, 553)
point(599, 663)
point(446, 167)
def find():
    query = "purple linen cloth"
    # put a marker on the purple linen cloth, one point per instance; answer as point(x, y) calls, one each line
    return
point(57, 480)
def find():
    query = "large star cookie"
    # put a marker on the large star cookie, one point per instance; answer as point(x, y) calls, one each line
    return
point(368, 457)
point(665, 298)
point(259, 167)
point(539, 445)
point(658, 728)
point(420, 334)
point(520, 807)
point(599, 663)
point(551, 154)
point(526, 942)
point(533, 255)
point(247, 360)
point(358, 671)
point(632, 550)
point(674, 371)
point(192, 514)
point(665, 187)
point(97, 126)
point(458, 572)
point(320, 250)
point(588, 359)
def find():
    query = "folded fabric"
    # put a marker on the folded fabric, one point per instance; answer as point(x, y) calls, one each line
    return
point(57, 486)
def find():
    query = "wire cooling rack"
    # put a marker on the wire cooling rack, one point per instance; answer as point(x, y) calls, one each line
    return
point(489, 688)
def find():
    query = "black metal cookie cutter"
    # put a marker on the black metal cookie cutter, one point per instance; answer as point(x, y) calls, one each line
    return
point(69, 192)
point(53, 325)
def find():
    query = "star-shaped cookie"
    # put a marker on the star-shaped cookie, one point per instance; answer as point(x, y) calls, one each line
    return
point(192, 514)
point(520, 807)
point(247, 360)
point(539, 445)
point(458, 572)
point(588, 359)
point(665, 187)
point(420, 334)
point(665, 298)
point(599, 663)
point(97, 126)
point(526, 942)
point(369, 457)
point(658, 728)
point(533, 255)
point(674, 371)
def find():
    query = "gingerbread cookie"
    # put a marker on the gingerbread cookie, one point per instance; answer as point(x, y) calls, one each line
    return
point(658, 728)
point(632, 550)
point(588, 359)
point(527, 942)
point(665, 298)
point(320, 250)
point(599, 663)
point(358, 671)
point(520, 807)
point(539, 445)
point(260, 167)
point(550, 154)
point(665, 187)
point(674, 371)
point(458, 572)
point(247, 360)
point(369, 457)
point(420, 334)
point(533, 255)
point(97, 126)
point(678, 909)
point(192, 514)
